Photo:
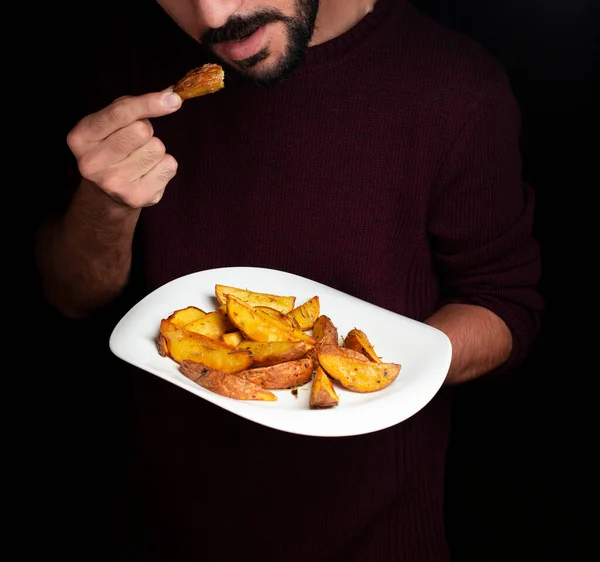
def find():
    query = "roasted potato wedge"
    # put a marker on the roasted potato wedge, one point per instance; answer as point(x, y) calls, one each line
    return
point(306, 314)
point(205, 79)
point(233, 338)
point(213, 324)
point(325, 333)
point(322, 392)
point(232, 361)
point(259, 326)
point(358, 341)
point(286, 319)
point(162, 346)
point(173, 333)
point(272, 352)
point(281, 303)
point(282, 375)
point(355, 371)
point(254, 342)
point(186, 315)
point(180, 344)
point(225, 384)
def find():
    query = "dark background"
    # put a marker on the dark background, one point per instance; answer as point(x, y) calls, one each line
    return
point(522, 476)
point(522, 479)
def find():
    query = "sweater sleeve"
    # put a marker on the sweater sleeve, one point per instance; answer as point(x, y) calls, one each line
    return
point(481, 218)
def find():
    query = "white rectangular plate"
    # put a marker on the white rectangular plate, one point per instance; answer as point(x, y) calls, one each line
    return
point(424, 352)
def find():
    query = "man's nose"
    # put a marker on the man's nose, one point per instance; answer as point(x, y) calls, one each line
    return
point(214, 13)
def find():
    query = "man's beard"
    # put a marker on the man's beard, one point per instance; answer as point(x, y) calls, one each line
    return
point(299, 29)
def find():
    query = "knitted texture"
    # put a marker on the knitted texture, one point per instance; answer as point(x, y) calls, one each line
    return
point(387, 167)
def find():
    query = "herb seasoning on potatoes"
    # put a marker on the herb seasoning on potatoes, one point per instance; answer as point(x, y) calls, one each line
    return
point(254, 343)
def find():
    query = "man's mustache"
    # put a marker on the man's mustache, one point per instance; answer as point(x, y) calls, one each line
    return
point(239, 27)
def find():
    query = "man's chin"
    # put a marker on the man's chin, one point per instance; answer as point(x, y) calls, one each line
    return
point(253, 62)
point(264, 68)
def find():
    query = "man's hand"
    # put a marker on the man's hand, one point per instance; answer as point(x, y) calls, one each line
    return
point(84, 257)
point(116, 149)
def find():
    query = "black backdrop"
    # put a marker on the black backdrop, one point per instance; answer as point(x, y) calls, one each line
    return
point(522, 478)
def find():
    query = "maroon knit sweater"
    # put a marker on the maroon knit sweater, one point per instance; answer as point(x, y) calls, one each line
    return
point(387, 167)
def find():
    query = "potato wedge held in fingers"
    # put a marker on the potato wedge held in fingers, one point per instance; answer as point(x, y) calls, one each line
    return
point(322, 392)
point(259, 326)
point(355, 371)
point(306, 314)
point(358, 341)
point(180, 344)
point(225, 384)
point(267, 353)
point(205, 79)
point(282, 375)
point(281, 303)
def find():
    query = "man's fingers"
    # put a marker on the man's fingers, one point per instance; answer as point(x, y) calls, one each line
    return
point(143, 160)
point(115, 148)
point(160, 175)
point(126, 171)
point(119, 114)
point(140, 190)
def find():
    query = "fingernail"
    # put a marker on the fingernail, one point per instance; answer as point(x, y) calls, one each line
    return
point(171, 100)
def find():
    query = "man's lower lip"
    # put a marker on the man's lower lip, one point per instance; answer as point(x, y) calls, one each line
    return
point(240, 50)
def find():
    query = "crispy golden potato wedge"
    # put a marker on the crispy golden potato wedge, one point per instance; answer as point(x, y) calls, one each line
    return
point(358, 341)
point(259, 326)
point(267, 353)
point(180, 344)
point(322, 392)
point(205, 79)
point(355, 371)
point(186, 315)
point(281, 303)
point(279, 315)
point(225, 384)
point(233, 338)
point(306, 314)
point(173, 333)
point(282, 375)
point(213, 324)
point(162, 346)
point(254, 342)
point(229, 361)
point(325, 333)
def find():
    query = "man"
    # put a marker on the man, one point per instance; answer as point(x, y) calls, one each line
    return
point(355, 143)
